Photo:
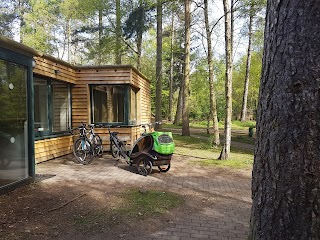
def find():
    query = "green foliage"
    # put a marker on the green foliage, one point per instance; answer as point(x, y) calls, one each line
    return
point(254, 83)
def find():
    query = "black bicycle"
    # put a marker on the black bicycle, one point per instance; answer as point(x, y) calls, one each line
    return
point(83, 150)
point(95, 140)
point(117, 147)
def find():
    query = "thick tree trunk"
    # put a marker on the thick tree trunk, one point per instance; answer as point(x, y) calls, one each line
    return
point(286, 172)
point(213, 104)
point(118, 33)
point(186, 79)
point(159, 66)
point(228, 84)
point(247, 76)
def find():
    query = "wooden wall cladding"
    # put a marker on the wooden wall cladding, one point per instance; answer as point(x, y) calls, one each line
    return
point(82, 78)
point(55, 69)
point(47, 149)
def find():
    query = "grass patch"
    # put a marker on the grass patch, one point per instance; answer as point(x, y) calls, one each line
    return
point(203, 125)
point(236, 161)
point(200, 149)
point(243, 139)
point(147, 203)
point(191, 142)
point(242, 125)
point(96, 221)
point(130, 204)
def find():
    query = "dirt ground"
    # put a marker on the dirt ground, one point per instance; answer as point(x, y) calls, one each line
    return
point(85, 210)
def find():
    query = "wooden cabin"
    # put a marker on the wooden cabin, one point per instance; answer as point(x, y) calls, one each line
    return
point(56, 96)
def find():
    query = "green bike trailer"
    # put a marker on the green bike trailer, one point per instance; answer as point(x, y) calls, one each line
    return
point(163, 142)
point(152, 149)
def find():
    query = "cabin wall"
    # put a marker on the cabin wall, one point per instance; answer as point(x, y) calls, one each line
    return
point(81, 78)
point(54, 69)
point(47, 149)
point(144, 97)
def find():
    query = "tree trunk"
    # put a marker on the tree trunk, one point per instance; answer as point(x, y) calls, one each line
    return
point(100, 37)
point(159, 66)
point(186, 78)
point(213, 104)
point(118, 33)
point(177, 118)
point(170, 115)
point(286, 171)
point(139, 38)
point(228, 84)
point(247, 76)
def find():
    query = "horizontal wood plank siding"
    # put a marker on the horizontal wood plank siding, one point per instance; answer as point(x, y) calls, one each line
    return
point(46, 67)
point(82, 78)
point(47, 149)
point(144, 99)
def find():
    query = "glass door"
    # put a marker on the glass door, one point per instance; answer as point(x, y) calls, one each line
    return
point(13, 123)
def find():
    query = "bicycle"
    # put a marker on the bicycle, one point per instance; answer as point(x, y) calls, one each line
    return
point(82, 147)
point(96, 141)
point(117, 147)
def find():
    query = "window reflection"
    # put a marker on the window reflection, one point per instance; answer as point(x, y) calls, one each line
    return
point(13, 123)
point(108, 103)
point(52, 107)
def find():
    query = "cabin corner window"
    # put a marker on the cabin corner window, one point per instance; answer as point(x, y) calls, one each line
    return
point(52, 107)
point(114, 104)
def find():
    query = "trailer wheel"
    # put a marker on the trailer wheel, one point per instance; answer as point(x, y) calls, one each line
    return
point(164, 168)
point(144, 166)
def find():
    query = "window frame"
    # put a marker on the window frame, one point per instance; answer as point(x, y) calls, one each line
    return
point(50, 112)
point(127, 104)
point(27, 61)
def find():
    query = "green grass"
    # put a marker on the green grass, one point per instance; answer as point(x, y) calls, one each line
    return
point(236, 161)
point(203, 124)
point(191, 142)
point(205, 155)
point(147, 203)
point(242, 125)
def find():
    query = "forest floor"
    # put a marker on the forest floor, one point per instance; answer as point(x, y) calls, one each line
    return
point(72, 201)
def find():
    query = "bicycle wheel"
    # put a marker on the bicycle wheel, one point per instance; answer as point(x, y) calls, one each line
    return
point(83, 151)
point(114, 150)
point(144, 166)
point(97, 144)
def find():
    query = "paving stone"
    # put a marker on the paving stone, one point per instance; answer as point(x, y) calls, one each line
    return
point(226, 219)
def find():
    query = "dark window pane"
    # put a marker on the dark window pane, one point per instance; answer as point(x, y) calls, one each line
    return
point(41, 122)
point(13, 123)
point(60, 106)
point(108, 103)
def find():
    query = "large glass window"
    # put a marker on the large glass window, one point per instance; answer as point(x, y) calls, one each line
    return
point(52, 107)
point(13, 123)
point(113, 104)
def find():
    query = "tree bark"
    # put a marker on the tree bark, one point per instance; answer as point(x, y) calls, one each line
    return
point(213, 104)
point(118, 33)
point(228, 83)
point(159, 66)
point(177, 118)
point(100, 37)
point(170, 115)
point(248, 65)
point(286, 171)
point(139, 37)
point(186, 78)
